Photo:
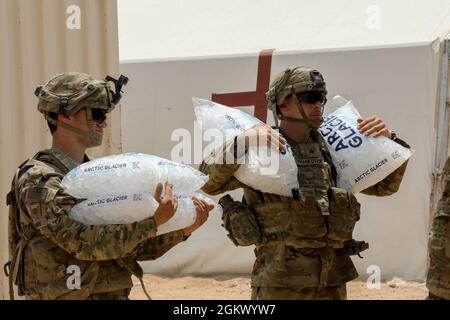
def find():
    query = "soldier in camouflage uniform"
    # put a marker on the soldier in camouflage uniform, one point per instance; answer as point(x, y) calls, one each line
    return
point(438, 280)
point(44, 242)
point(302, 243)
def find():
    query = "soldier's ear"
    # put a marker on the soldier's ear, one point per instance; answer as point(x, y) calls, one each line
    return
point(286, 101)
point(64, 116)
point(283, 107)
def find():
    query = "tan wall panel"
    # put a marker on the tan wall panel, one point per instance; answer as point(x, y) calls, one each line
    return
point(35, 44)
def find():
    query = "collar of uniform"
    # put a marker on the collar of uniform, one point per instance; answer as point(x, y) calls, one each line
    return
point(65, 159)
point(313, 137)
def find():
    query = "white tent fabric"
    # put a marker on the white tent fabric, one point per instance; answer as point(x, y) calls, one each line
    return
point(398, 84)
point(393, 71)
point(157, 29)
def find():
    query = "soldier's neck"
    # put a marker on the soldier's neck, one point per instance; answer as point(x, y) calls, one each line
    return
point(73, 149)
point(297, 132)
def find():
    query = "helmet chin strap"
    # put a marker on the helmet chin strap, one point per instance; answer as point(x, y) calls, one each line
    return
point(305, 119)
point(95, 138)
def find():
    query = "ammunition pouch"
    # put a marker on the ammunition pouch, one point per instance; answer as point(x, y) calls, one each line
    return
point(315, 219)
point(344, 213)
point(240, 222)
point(296, 222)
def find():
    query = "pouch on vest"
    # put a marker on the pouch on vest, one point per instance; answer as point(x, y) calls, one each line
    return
point(14, 240)
point(308, 214)
point(240, 222)
point(344, 213)
point(294, 219)
point(17, 238)
point(274, 220)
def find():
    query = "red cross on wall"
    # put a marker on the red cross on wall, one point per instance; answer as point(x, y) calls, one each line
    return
point(252, 98)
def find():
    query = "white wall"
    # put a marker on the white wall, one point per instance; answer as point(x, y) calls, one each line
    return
point(398, 84)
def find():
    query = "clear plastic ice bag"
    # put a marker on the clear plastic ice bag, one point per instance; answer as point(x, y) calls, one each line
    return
point(124, 208)
point(128, 173)
point(266, 171)
point(276, 173)
point(360, 161)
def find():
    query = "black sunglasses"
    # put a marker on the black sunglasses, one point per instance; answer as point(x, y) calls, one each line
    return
point(312, 97)
point(98, 115)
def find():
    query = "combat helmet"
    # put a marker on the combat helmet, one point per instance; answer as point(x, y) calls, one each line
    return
point(68, 93)
point(299, 83)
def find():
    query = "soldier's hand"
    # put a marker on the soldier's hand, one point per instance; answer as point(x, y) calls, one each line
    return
point(262, 135)
point(202, 208)
point(373, 126)
point(167, 205)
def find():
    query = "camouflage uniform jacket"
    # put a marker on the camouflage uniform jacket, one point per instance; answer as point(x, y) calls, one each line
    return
point(303, 252)
point(438, 280)
point(44, 241)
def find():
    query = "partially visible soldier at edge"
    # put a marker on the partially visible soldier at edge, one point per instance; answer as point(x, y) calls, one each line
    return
point(304, 243)
point(43, 241)
point(438, 278)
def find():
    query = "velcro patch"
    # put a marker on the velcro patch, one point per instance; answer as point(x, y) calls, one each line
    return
point(51, 193)
point(35, 194)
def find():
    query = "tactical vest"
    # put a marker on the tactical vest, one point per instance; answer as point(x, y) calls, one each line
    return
point(438, 277)
point(320, 214)
point(21, 231)
point(18, 237)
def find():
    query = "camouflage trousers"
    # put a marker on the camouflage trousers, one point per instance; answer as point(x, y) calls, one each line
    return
point(433, 297)
point(114, 295)
point(438, 280)
point(312, 293)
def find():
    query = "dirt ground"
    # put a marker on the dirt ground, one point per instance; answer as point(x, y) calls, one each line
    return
point(238, 288)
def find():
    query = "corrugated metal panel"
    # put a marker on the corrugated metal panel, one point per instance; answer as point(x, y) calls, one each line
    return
point(35, 44)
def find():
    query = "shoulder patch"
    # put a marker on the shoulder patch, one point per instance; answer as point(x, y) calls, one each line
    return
point(35, 194)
